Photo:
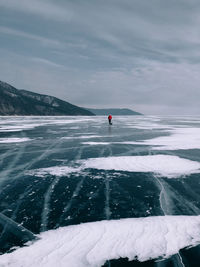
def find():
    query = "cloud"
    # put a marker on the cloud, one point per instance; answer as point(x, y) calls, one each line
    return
point(151, 87)
point(21, 34)
point(153, 29)
point(161, 88)
point(42, 8)
point(139, 54)
point(44, 61)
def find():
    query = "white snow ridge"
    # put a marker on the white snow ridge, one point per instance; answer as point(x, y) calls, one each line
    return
point(91, 244)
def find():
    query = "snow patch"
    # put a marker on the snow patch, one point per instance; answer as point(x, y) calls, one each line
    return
point(148, 126)
point(14, 140)
point(56, 171)
point(164, 165)
point(161, 165)
point(183, 138)
point(95, 143)
point(82, 137)
point(91, 244)
point(18, 128)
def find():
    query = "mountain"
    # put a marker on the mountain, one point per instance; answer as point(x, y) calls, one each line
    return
point(114, 111)
point(21, 102)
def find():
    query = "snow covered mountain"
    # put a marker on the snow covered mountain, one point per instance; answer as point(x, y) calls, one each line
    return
point(22, 102)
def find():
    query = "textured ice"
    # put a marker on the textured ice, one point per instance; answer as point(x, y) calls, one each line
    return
point(91, 244)
point(164, 165)
point(14, 140)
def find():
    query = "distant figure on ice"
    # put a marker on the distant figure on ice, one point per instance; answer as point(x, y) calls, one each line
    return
point(109, 119)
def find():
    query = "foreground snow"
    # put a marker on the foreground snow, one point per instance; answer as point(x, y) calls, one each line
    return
point(91, 244)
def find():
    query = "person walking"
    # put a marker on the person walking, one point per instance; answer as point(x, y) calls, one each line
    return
point(109, 119)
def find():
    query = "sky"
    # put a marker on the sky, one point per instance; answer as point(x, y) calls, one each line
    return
point(138, 54)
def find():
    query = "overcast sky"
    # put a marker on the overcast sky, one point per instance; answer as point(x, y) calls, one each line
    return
point(140, 54)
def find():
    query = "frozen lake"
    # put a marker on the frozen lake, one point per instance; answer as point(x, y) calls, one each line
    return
point(134, 187)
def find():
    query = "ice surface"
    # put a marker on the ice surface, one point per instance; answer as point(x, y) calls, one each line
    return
point(164, 165)
point(91, 244)
point(117, 176)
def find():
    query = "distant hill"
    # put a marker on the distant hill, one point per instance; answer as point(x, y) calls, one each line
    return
point(22, 102)
point(114, 111)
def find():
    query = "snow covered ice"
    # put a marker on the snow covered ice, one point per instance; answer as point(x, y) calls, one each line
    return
point(95, 193)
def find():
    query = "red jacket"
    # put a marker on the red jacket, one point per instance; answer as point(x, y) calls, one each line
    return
point(110, 117)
